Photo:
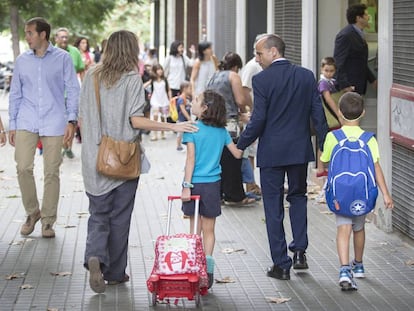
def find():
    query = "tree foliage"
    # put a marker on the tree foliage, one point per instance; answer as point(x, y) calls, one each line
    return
point(81, 17)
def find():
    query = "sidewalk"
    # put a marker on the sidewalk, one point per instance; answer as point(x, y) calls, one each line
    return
point(53, 268)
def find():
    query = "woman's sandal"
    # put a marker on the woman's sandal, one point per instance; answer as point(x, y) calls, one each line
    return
point(254, 188)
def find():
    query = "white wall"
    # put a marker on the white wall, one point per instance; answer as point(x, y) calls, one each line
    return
point(331, 19)
point(309, 31)
point(241, 21)
point(385, 77)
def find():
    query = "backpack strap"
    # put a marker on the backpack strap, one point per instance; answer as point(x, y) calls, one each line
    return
point(366, 136)
point(182, 96)
point(339, 135)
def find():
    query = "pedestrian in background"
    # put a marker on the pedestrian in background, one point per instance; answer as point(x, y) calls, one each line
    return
point(351, 52)
point(184, 108)
point(61, 38)
point(151, 57)
point(227, 83)
point(43, 104)
point(247, 72)
point(111, 201)
point(160, 98)
point(204, 67)
point(285, 99)
point(82, 44)
point(327, 87)
point(176, 66)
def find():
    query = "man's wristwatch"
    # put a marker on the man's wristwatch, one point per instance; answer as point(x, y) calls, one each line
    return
point(186, 184)
point(73, 122)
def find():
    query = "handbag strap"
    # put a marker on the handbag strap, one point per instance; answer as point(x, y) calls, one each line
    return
point(97, 95)
point(184, 66)
point(98, 98)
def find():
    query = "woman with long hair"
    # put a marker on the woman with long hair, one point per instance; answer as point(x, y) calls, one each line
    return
point(111, 201)
point(204, 67)
point(82, 44)
point(176, 66)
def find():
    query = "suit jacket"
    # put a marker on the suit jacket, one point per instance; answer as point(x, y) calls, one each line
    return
point(351, 57)
point(286, 97)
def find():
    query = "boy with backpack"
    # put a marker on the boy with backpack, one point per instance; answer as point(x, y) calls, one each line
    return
point(354, 166)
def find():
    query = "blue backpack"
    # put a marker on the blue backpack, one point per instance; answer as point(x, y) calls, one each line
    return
point(351, 188)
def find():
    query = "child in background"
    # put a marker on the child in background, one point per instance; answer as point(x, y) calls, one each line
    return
point(351, 110)
point(184, 108)
point(160, 98)
point(327, 87)
point(202, 168)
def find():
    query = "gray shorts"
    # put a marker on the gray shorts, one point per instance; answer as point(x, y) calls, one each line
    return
point(210, 200)
point(357, 222)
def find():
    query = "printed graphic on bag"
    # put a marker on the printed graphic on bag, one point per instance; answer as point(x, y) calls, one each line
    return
point(181, 253)
point(177, 254)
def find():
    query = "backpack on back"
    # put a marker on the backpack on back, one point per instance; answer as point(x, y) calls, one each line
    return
point(351, 188)
point(173, 109)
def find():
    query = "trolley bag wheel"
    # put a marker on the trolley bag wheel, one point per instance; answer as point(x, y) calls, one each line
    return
point(154, 298)
point(197, 299)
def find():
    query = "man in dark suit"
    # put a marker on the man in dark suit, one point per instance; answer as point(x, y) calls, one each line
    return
point(285, 99)
point(351, 52)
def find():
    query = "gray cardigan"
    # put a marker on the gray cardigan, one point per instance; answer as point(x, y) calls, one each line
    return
point(122, 101)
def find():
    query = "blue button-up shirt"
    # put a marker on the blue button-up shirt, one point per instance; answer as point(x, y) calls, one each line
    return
point(44, 92)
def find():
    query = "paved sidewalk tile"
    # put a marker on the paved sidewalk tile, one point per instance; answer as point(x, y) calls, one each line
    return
point(53, 268)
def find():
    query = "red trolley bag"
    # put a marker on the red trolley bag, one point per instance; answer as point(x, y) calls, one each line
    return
point(180, 268)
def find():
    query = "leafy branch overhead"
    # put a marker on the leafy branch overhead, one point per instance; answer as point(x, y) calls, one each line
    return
point(88, 18)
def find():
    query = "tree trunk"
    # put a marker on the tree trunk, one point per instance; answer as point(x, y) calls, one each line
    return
point(14, 27)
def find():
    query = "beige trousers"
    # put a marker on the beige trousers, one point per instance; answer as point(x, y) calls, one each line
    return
point(25, 149)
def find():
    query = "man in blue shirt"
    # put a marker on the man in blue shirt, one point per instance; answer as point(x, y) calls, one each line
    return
point(38, 108)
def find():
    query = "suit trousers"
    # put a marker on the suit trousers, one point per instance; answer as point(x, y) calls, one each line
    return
point(108, 229)
point(272, 181)
point(231, 177)
point(25, 149)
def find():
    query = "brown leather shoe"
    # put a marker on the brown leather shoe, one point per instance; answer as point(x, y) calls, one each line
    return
point(30, 223)
point(47, 231)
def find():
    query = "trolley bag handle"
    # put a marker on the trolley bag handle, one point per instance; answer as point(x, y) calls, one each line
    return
point(171, 198)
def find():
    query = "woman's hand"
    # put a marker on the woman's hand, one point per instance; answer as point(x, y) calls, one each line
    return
point(187, 126)
point(244, 117)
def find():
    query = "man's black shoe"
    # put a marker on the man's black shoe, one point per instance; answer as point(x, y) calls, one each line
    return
point(278, 273)
point(299, 260)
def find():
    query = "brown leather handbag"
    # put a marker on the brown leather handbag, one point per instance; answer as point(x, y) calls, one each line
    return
point(116, 159)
